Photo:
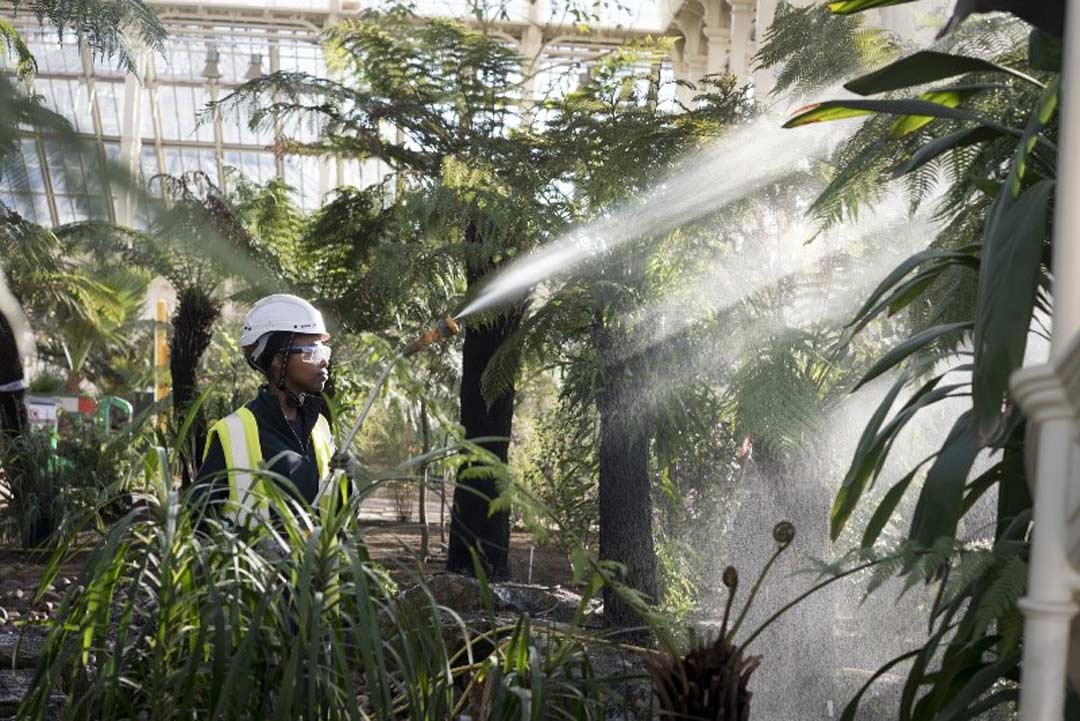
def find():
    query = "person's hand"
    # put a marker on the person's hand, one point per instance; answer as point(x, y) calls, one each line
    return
point(346, 462)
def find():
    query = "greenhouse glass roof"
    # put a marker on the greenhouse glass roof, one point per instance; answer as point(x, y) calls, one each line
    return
point(160, 125)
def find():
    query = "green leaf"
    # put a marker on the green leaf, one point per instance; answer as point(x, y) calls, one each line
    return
point(1008, 280)
point(874, 444)
point(1036, 125)
point(912, 289)
point(911, 345)
point(888, 504)
point(960, 660)
point(938, 146)
point(975, 490)
point(940, 503)
point(979, 683)
point(917, 674)
point(26, 64)
point(850, 7)
point(998, 698)
point(839, 109)
point(853, 706)
point(1002, 594)
point(863, 464)
point(1044, 51)
point(873, 304)
point(926, 66)
point(1013, 492)
point(989, 188)
point(949, 98)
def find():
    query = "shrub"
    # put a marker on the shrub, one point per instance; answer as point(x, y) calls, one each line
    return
point(179, 614)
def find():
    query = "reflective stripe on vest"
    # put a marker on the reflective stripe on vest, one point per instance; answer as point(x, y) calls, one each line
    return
point(239, 434)
point(322, 440)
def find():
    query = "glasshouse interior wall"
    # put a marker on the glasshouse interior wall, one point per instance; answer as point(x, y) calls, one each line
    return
point(154, 121)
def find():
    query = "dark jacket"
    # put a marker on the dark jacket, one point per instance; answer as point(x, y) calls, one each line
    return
point(276, 436)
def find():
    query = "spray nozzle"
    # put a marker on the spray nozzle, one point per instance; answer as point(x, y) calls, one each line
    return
point(445, 328)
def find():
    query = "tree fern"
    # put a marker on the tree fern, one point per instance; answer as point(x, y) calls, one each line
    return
point(805, 65)
point(109, 27)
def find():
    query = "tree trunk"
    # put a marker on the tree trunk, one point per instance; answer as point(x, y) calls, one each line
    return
point(193, 326)
point(625, 500)
point(471, 526)
point(425, 438)
point(13, 420)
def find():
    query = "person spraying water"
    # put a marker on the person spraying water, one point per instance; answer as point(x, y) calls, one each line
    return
point(285, 339)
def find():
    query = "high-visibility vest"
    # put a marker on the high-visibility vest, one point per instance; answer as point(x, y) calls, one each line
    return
point(239, 435)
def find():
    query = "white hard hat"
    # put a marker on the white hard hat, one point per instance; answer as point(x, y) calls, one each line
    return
point(281, 312)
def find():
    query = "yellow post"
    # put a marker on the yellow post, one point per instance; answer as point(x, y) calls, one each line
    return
point(161, 352)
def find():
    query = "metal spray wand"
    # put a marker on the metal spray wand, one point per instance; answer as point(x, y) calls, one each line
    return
point(445, 328)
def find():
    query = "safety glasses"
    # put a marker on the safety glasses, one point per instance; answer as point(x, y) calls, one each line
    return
point(313, 354)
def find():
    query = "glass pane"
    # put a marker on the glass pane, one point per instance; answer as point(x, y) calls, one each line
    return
point(146, 116)
point(167, 100)
point(23, 204)
point(110, 97)
point(148, 163)
point(204, 121)
point(302, 175)
point(65, 211)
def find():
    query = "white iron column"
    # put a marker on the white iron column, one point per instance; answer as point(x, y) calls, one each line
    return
point(532, 44)
point(691, 62)
point(1067, 209)
point(330, 164)
point(1049, 605)
point(95, 116)
point(131, 137)
point(279, 128)
point(742, 21)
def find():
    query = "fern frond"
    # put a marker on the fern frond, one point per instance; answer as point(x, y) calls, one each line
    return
point(970, 568)
point(1002, 595)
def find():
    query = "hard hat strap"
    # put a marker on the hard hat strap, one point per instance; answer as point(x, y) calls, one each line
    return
point(286, 352)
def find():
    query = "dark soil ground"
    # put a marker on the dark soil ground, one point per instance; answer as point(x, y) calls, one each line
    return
point(398, 543)
point(395, 545)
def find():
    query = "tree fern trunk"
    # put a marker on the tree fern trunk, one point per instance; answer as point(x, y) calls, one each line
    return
point(193, 326)
point(471, 526)
point(624, 495)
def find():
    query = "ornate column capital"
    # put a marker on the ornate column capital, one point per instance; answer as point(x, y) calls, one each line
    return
point(1041, 393)
point(716, 34)
point(1051, 391)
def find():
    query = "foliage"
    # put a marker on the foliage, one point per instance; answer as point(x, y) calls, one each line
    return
point(175, 606)
point(199, 239)
point(77, 287)
point(113, 29)
point(55, 484)
point(807, 66)
point(558, 465)
point(32, 488)
point(995, 146)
